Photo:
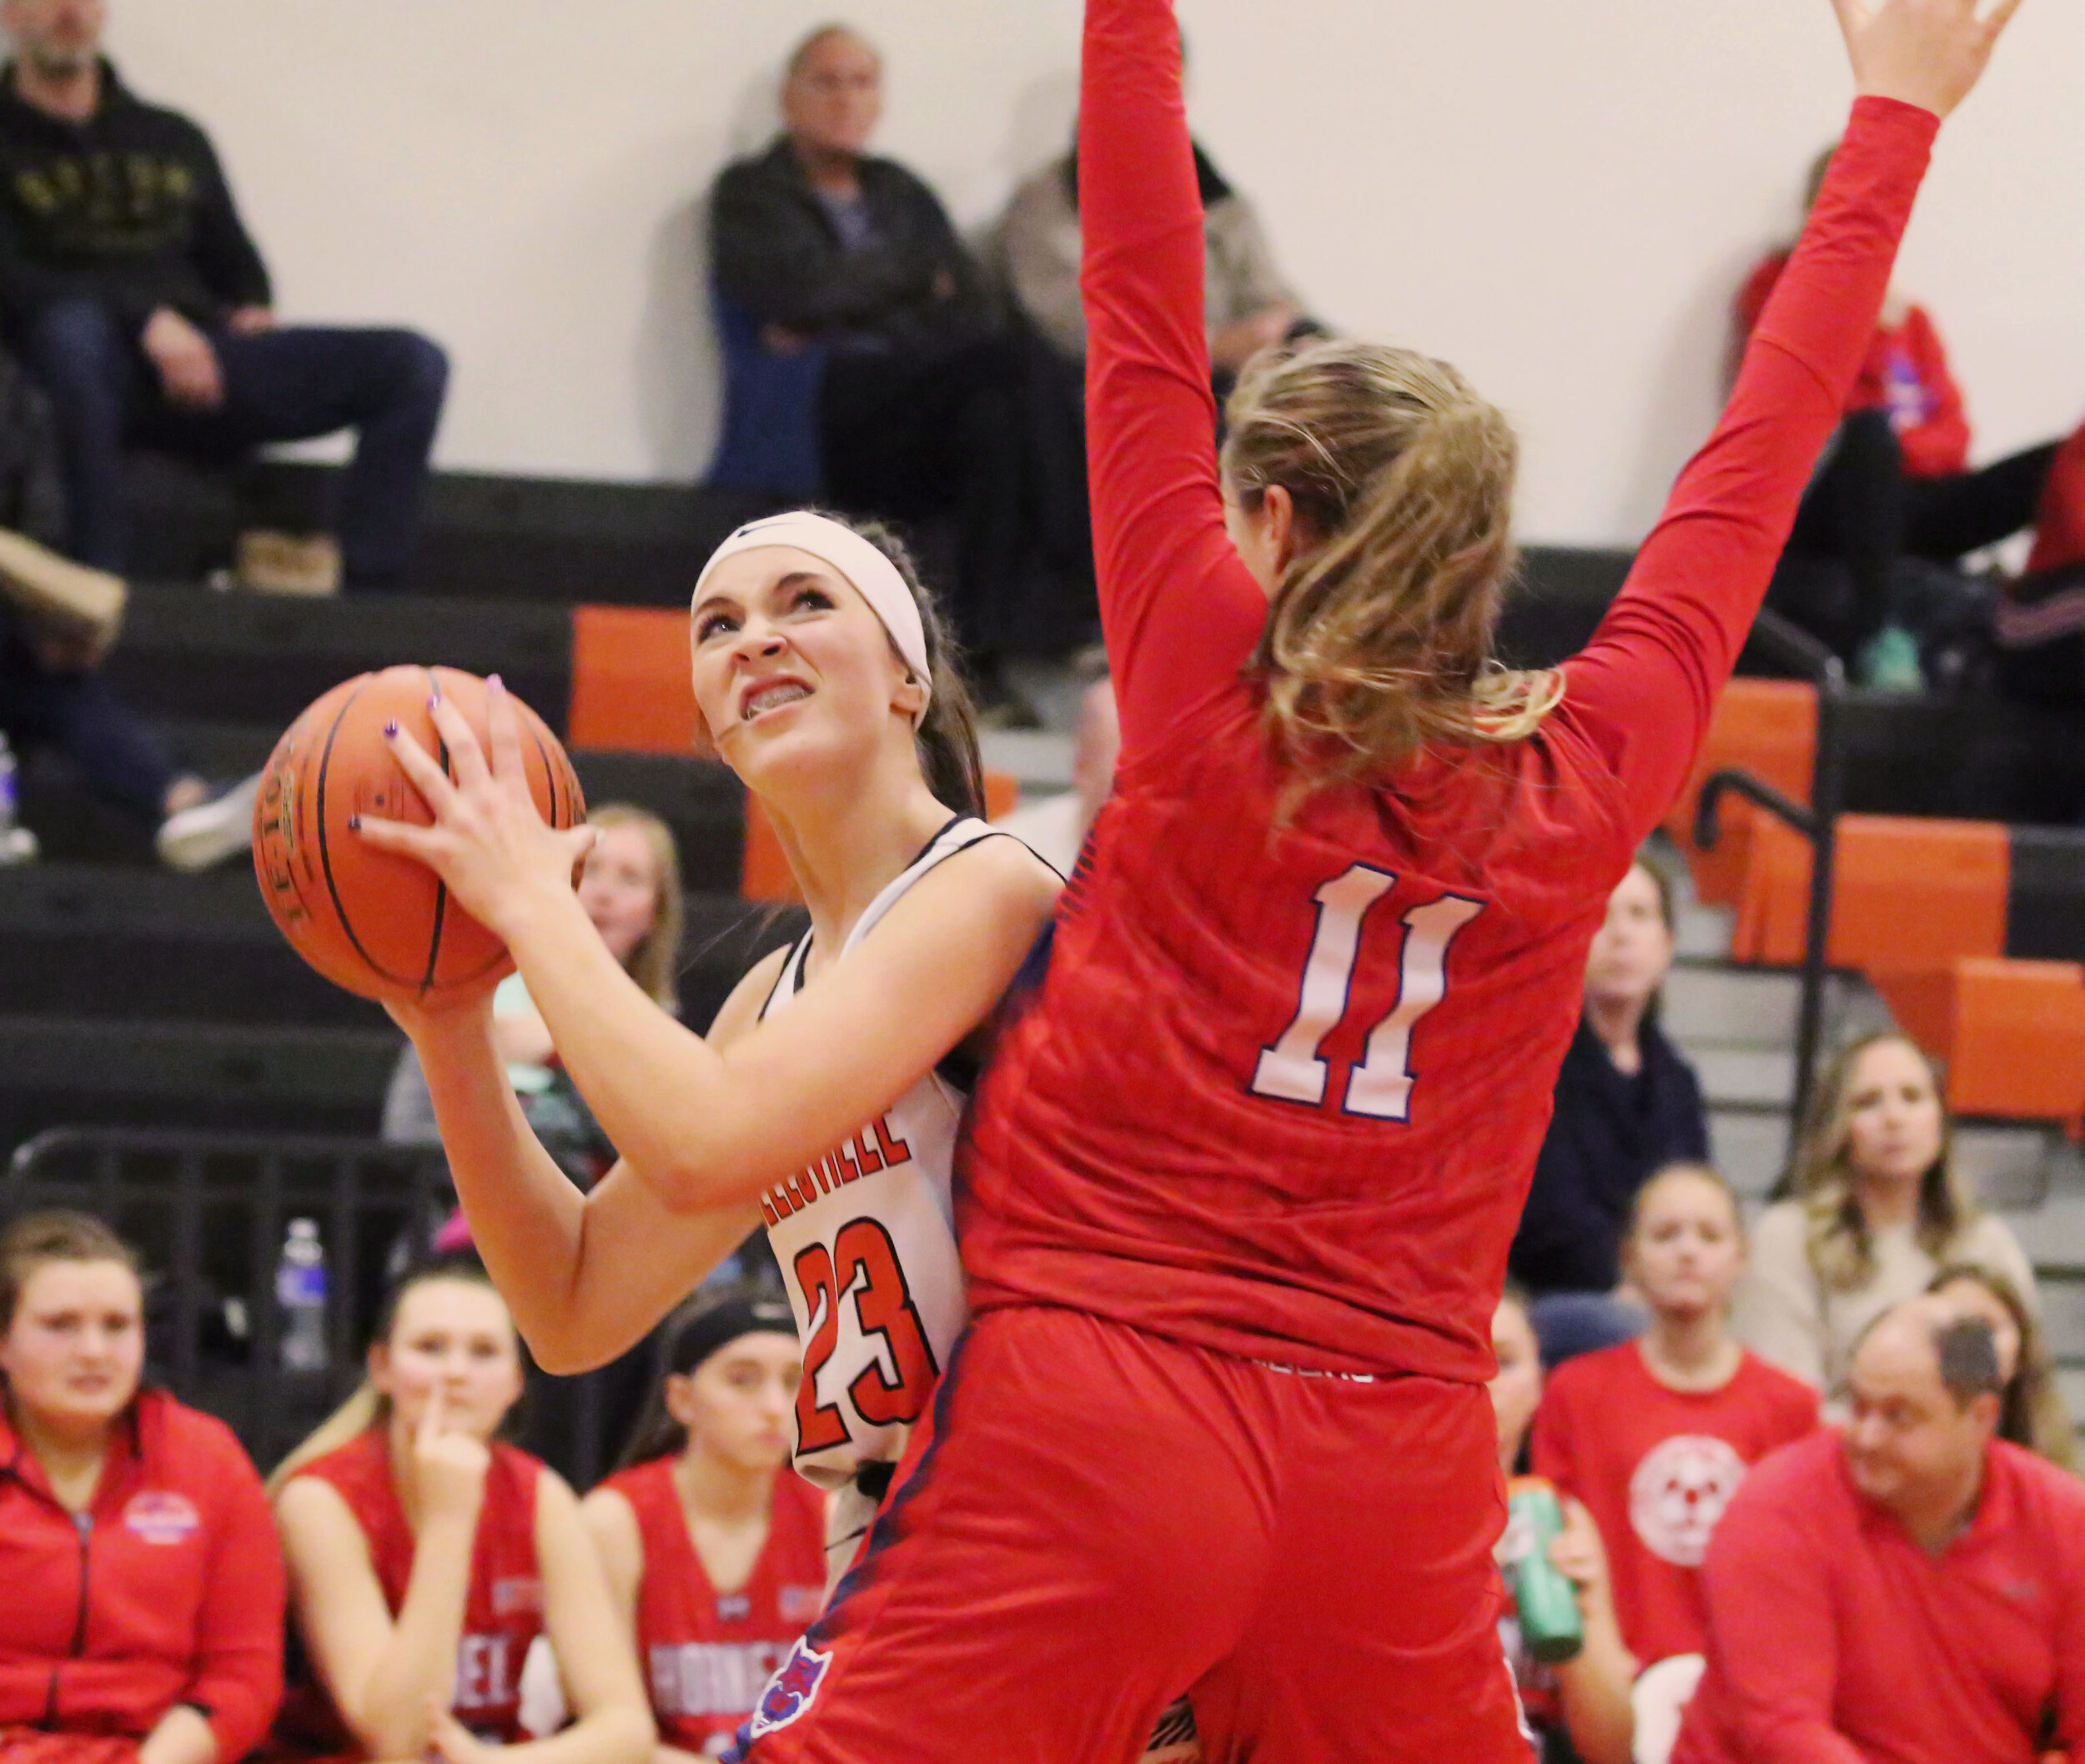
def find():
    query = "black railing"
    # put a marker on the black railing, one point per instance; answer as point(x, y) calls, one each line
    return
point(1790, 647)
point(209, 1214)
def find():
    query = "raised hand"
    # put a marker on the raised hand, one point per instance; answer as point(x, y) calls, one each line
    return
point(449, 1468)
point(488, 841)
point(1927, 52)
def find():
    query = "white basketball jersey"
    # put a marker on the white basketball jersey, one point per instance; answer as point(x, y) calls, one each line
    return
point(866, 1241)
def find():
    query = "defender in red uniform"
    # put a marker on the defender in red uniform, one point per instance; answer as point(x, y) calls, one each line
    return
point(1241, 1183)
point(714, 1547)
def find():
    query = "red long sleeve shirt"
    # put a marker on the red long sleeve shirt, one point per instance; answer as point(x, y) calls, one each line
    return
point(168, 1589)
point(1906, 373)
point(1834, 1639)
point(1280, 1089)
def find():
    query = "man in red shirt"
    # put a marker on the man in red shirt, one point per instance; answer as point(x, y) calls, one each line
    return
point(1912, 1589)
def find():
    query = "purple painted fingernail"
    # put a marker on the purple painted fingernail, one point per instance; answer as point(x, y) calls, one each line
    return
point(495, 683)
point(354, 823)
point(433, 700)
point(390, 731)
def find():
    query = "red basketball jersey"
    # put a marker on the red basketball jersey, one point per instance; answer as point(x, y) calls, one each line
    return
point(707, 1656)
point(1279, 1090)
point(504, 1613)
point(1656, 1469)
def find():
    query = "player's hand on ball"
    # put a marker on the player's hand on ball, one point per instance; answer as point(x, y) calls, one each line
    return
point(1927, 52)
point(488, 842)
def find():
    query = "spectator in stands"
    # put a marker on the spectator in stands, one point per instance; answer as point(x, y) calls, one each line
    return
point(1896, 484)
point(714, 1545)
point(820, 241)
point(1579, 1711)
point(1626, 1103)
point(1654, 1435)
point(52, 692)
point(1055, 829)
point(1908, 1589)
point(630, 887)
point(2032, 1411)
point(128, 284)
point(141, 1622)
point(1877, 1210)
point(1249, 307)
point(426, 1555)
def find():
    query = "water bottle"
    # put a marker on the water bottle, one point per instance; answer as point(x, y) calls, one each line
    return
point(17, 844)
point(300, 1296)
point(1551, 1626)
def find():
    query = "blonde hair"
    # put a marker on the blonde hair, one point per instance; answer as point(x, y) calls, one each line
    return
point(1842, 1248)
point(654, 964)
point(2032, 1412)
point(1379, 641)
point(367, 1407)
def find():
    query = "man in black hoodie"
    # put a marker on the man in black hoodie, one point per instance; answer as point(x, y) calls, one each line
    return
point(128, 284)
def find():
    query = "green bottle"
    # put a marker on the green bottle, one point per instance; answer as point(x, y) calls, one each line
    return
point(1551, 1626)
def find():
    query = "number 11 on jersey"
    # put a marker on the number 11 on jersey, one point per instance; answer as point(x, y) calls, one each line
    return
point(1291, 1070)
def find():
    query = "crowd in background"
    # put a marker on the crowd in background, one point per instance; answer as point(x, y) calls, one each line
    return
point(1794, 1460)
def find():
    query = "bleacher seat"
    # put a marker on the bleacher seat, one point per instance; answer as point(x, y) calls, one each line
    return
point(2010, 1035)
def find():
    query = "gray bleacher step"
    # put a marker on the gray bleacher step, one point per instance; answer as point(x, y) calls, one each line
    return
point(1758, 1077)
point(2070, 1381)
point(1041, 759)
point(2063, 1315)
point(2006, 1167)
point(1750, 1146)
point(1703, 933)
point(1729, 1006)
point(2052, 1235)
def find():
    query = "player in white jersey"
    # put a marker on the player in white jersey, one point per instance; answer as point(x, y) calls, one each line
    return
point(825, 1100)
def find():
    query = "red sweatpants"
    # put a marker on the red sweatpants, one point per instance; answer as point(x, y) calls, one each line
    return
point(1104, 1516)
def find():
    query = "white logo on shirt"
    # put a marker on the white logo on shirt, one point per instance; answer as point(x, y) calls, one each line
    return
point(1678, 1494)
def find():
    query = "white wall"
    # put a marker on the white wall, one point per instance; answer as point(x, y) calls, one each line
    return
point(1559, 196)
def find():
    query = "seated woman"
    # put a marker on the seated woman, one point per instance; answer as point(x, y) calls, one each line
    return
point(1579, 1712)
point(1876, 1212)
point(714, 1547)
point(2033, 1414)
point(425, 1556)
point(142, 1619)
point(1655, 1435)
point(1627, 1103)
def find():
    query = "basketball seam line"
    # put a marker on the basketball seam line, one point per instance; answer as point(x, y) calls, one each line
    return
point(326, 849)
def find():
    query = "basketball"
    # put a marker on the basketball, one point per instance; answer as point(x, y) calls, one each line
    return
point(379, 924)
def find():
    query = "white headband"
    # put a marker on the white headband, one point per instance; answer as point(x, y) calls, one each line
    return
point(868, 570)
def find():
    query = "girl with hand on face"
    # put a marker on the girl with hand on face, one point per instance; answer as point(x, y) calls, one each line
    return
point(715, 1548)
point(141, 1620)
point(1877, 1209)
point(1654, 1435)
point(1579, 1711)
point(426, 1556)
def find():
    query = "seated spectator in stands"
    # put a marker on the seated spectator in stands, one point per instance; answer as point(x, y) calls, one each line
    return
point(2032, 1412)
point(1877, 1211)
point(821, 241)
point(1907, 1589)
point(426, 1555)
point(1897, 483)
point(1249, 307)
point(1579, 1711)
point(133, 292)
point(714, 1547)
point(1654, 1435)
point(1055, 829)
point(143, 1620)
point(1627, 1102)
point(630, 888)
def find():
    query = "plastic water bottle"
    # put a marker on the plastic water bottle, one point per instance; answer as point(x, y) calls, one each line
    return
point(1552, 1628)
point(17, 844)
point(300, 1295)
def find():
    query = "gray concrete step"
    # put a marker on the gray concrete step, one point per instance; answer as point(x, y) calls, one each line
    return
point(1750, 1146)
point(1750, 1077)
point(2006, 1167)
point(2063, 1317)
point(1720, 1006)
point(1703, 933)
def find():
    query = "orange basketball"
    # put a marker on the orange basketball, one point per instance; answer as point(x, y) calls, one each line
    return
point(381, 925)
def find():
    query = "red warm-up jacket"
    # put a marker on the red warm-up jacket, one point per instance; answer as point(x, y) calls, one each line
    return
point(170, 1588)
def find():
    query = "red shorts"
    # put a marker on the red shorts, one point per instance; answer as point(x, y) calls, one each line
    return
point(1104, 1516)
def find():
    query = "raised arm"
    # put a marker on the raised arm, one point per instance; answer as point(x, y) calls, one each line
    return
point(1179, 611)
point(1647, 685)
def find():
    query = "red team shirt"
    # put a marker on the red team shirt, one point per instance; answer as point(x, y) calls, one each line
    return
point(708, 1656)
point(1280, 1092)
point(1655, 1468)
point(504, 1613)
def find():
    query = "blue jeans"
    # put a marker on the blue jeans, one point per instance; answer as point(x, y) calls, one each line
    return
point(116, 756)
point(290, 385)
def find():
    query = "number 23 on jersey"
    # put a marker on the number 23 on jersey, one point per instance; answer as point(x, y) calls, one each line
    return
point(862, 1265)
point(1291, 1069)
